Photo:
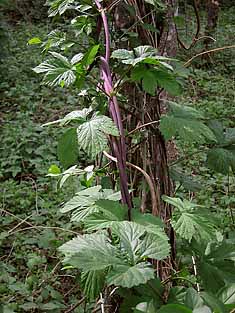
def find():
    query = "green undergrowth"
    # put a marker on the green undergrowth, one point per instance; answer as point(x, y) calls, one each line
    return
point(210, 90)
point(31, 275)
point(32, 229)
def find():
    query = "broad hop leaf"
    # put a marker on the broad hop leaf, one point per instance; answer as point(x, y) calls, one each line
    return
point(57, 71)
point(92, 135)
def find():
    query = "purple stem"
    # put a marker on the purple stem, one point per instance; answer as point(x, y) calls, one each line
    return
point(114, 107)
point(119, 146)
point(106, 30)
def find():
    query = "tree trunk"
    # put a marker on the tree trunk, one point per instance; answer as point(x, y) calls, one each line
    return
point(150, 154)
point(212, 18)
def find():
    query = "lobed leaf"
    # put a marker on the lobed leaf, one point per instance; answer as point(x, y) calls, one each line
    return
point(58, 6)
point(130, 276)
point(92, 135)
point(57, 71)
point(90, 252)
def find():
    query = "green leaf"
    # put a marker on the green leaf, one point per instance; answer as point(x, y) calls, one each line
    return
point(90, 252)
point(151, 223)
point(128, 277)
point(67, 149)
point(149, 82)
point(220, 251)
point(138, 72)
point(218, 130)
point(216, 265)
point(213, 302)
point(55, 39)
point(189, 225)
point(83, 7)
point(151, 78)
point(227, 294)
point(220, 160)
point(152, 290)
point(202, 309)
point(92, 135)
point(92, 283)
point(154, 247)
point(78, 116)
point(186, 123)
point(109, 211)
point(146, 307)
point(150, 27)
point(190, 222)
point(186, 181)
point(52, 306)
point(77, 58)
point(184, 111)
point(193, 299)
point(143, 51)
point(57, 71)
point(122, 54)
point(177, 294)
point(210, 276)
point(82, 24)
point(113, 210)
point(29, 306)
point(84, 203)
point(144, 54)
point(192, 131)
point(7, 308)
point(174, 308)
point(34, 41)
point(230, 136)
point(129, 234)
point(58, 6)
point(54, 169)
point(168, 82)
point(178, 203)
point(90, 56)
point(71, 171)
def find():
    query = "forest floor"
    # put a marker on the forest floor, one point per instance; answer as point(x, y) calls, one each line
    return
point(31, 226)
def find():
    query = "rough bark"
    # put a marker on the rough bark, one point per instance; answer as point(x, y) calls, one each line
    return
point(150, 154)
point(168, 40)
point(212, 19)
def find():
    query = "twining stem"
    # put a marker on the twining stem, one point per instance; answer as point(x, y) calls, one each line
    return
point(118, 145)
point(148, 180)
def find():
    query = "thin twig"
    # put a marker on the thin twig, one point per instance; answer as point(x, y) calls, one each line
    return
point(98, 309)
point(34, 226)
point(45, 227)
point(195, 272)
point(195, 38)
point(186, 64)
point(142, 126)
point(23, 221)
point(140, 20)
point(75, 306)
point(102, 303)
point(51, 273)
point(148, 180)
